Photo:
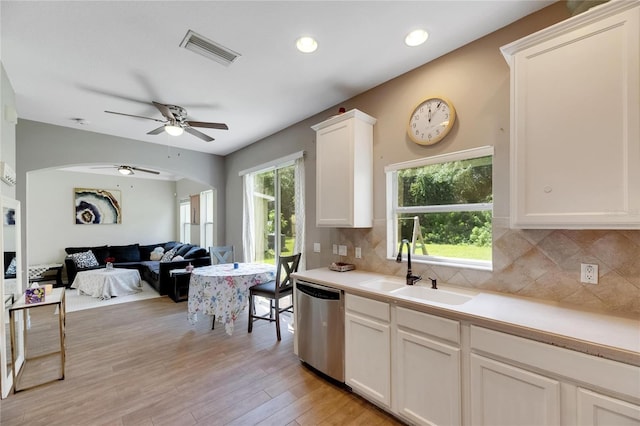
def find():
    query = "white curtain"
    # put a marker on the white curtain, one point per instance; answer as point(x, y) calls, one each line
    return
point(300, 211)
point(248, 226)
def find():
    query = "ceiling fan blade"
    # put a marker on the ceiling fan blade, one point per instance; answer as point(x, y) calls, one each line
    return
point(220, 126)
point(136, 116)
point(165, 111)
point(156, 131)
point(198, 134)
point(138, 169)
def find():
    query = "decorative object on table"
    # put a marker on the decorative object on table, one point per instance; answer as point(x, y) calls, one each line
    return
point(34, 295)
point(97, 206)
point(235, 265)
point(431, 120)
point(110, 261)
point(189, 267)
point(342, 267)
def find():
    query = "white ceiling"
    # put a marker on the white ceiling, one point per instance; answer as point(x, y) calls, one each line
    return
point(71, 60)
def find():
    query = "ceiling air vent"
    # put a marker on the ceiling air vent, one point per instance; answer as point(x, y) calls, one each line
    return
point(207, 48)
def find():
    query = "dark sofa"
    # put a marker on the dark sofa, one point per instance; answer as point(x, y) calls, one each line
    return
point(135, 256)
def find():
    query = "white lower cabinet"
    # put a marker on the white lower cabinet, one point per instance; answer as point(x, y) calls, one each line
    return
point(368, 348)
point(517, 381)
point(429, 370)
point(595, 409)
point(426, 380)
point(502, 394)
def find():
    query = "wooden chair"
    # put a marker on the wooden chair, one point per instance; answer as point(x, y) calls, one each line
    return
point(221, 254)
point(275, 290)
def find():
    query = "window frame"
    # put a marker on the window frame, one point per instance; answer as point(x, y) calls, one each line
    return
point(185, 226)
point(391, 177)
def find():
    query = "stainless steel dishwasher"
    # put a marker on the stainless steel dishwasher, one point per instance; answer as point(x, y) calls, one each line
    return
point(320, 328)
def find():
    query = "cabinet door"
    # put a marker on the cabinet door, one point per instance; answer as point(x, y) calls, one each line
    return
point(599, 410)
point(427, 380)
point(334, 174)
point(576, 128)
point(367, 358)
point(502, 394)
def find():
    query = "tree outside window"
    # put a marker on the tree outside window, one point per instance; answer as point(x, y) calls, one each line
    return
point(443, 206)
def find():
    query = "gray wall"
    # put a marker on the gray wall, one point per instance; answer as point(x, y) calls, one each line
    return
point(475, 77)
point(45, 146)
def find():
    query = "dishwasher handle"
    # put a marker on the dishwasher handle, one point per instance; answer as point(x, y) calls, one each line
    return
point(318, 291)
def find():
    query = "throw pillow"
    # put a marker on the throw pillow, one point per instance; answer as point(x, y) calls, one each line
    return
point(11, 270)
point(168, 256)
point(156, 254)
point(195, 252)
point(130, 253)
point(177, 258)
point(84, 259)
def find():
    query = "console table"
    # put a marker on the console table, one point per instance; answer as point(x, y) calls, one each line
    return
point(56, 297)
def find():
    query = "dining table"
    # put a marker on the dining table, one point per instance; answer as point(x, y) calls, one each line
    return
point(222, 290)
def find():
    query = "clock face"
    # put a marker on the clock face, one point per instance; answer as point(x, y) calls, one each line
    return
point(431, 121)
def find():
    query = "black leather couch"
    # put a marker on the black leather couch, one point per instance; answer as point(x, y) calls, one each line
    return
point(135, 256)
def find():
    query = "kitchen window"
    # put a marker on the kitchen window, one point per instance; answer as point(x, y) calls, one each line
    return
point(443, 205)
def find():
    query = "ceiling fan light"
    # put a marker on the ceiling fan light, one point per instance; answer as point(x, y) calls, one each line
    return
point(125, 170)
point(173, 130)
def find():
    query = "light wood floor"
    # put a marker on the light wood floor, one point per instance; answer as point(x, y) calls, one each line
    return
point(142, 363)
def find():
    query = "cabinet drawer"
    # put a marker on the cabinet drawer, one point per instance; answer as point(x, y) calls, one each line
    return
point(372, 308)
point(582, 368)
point(442, 328)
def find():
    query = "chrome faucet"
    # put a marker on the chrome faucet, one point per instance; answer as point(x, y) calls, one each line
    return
point(411, 279)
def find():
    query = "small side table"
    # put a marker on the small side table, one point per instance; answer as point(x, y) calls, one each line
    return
point(56, 297)
point(38, 273)
point(181, 279)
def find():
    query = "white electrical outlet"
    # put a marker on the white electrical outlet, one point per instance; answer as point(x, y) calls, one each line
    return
point(589, 273)
point(335, 249)
point(342, 250)
point(316, 247)
point(358, 253)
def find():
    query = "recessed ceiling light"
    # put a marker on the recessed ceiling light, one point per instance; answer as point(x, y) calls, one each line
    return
point(416, 38)
point(306, 44)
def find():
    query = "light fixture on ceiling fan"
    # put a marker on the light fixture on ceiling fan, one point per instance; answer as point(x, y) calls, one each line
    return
point(175, 122)
point(128, 170)
point(173, 129)
point(125, 170)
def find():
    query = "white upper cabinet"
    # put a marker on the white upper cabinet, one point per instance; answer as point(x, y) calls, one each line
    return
point(575, 122)
point(344, 171)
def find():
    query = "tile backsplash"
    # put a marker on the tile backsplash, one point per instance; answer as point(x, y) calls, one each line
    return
point(543, 264)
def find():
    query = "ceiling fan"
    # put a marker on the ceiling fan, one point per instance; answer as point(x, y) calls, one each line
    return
point(176, 122)
point(128, 170)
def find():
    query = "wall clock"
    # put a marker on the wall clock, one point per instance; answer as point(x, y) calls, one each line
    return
point(431, 120)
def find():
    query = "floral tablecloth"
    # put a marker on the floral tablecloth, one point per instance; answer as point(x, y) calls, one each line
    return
point(223, 291)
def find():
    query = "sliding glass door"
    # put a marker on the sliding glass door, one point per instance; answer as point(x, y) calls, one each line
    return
point(274, 215)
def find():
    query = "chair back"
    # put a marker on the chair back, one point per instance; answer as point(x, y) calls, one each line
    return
point(221, 254)
point(288, 265)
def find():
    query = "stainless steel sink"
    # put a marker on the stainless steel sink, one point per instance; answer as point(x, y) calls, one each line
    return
point(382, 285)
point(431, 295)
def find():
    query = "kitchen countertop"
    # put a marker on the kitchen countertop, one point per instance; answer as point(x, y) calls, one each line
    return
point(595, 333)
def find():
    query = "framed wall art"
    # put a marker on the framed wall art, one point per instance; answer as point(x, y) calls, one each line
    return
point(97, 206)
